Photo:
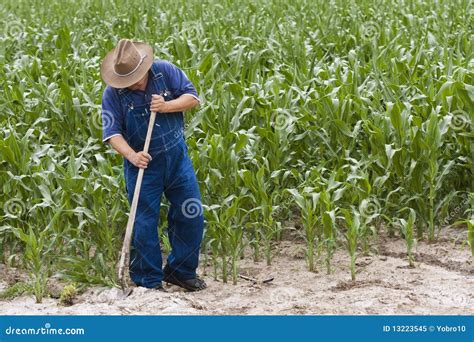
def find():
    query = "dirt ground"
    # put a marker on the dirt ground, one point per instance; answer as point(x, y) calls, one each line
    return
point(441, 283)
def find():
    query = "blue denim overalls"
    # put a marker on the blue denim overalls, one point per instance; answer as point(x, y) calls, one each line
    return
point(170, 172)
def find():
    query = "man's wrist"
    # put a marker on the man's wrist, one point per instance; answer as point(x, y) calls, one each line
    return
point(168, 107)
point(128, 155)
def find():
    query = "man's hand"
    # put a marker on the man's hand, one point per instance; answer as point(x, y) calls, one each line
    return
point(158, 104)
point(182, 103)
point(139, 159)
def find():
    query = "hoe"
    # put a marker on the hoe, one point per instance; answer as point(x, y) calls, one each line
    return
point(125, 254)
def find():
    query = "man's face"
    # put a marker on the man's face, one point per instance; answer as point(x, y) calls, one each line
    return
point(140, 85)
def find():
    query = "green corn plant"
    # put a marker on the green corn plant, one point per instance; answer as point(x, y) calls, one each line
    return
point(211, 246)
point(254, 239)
point(352, 218)
point(329, 222)
point(226, 228)
point(469, 222)
point(435, 131)
point(308, 202)
point(358, 189)
point(327, 211)
point(37, 259)
point(406, 227)
point(266, 228)
point(269, 232)
point(331, 192)
point(470, 232)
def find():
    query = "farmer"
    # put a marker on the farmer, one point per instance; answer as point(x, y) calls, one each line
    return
point(136, 86)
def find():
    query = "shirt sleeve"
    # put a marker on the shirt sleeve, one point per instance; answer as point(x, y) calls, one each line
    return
point(179, 82)
point(112, 114)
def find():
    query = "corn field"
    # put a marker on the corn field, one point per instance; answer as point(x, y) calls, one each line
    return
point(347, 119)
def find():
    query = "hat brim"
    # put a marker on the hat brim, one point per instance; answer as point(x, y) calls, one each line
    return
point(116, 81)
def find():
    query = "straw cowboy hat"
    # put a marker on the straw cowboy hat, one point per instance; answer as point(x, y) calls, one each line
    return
point(126, 64)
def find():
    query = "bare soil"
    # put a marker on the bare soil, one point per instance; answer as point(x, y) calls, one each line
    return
point(442, 282)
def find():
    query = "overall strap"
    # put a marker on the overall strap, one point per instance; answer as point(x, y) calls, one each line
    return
point(159, 80)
